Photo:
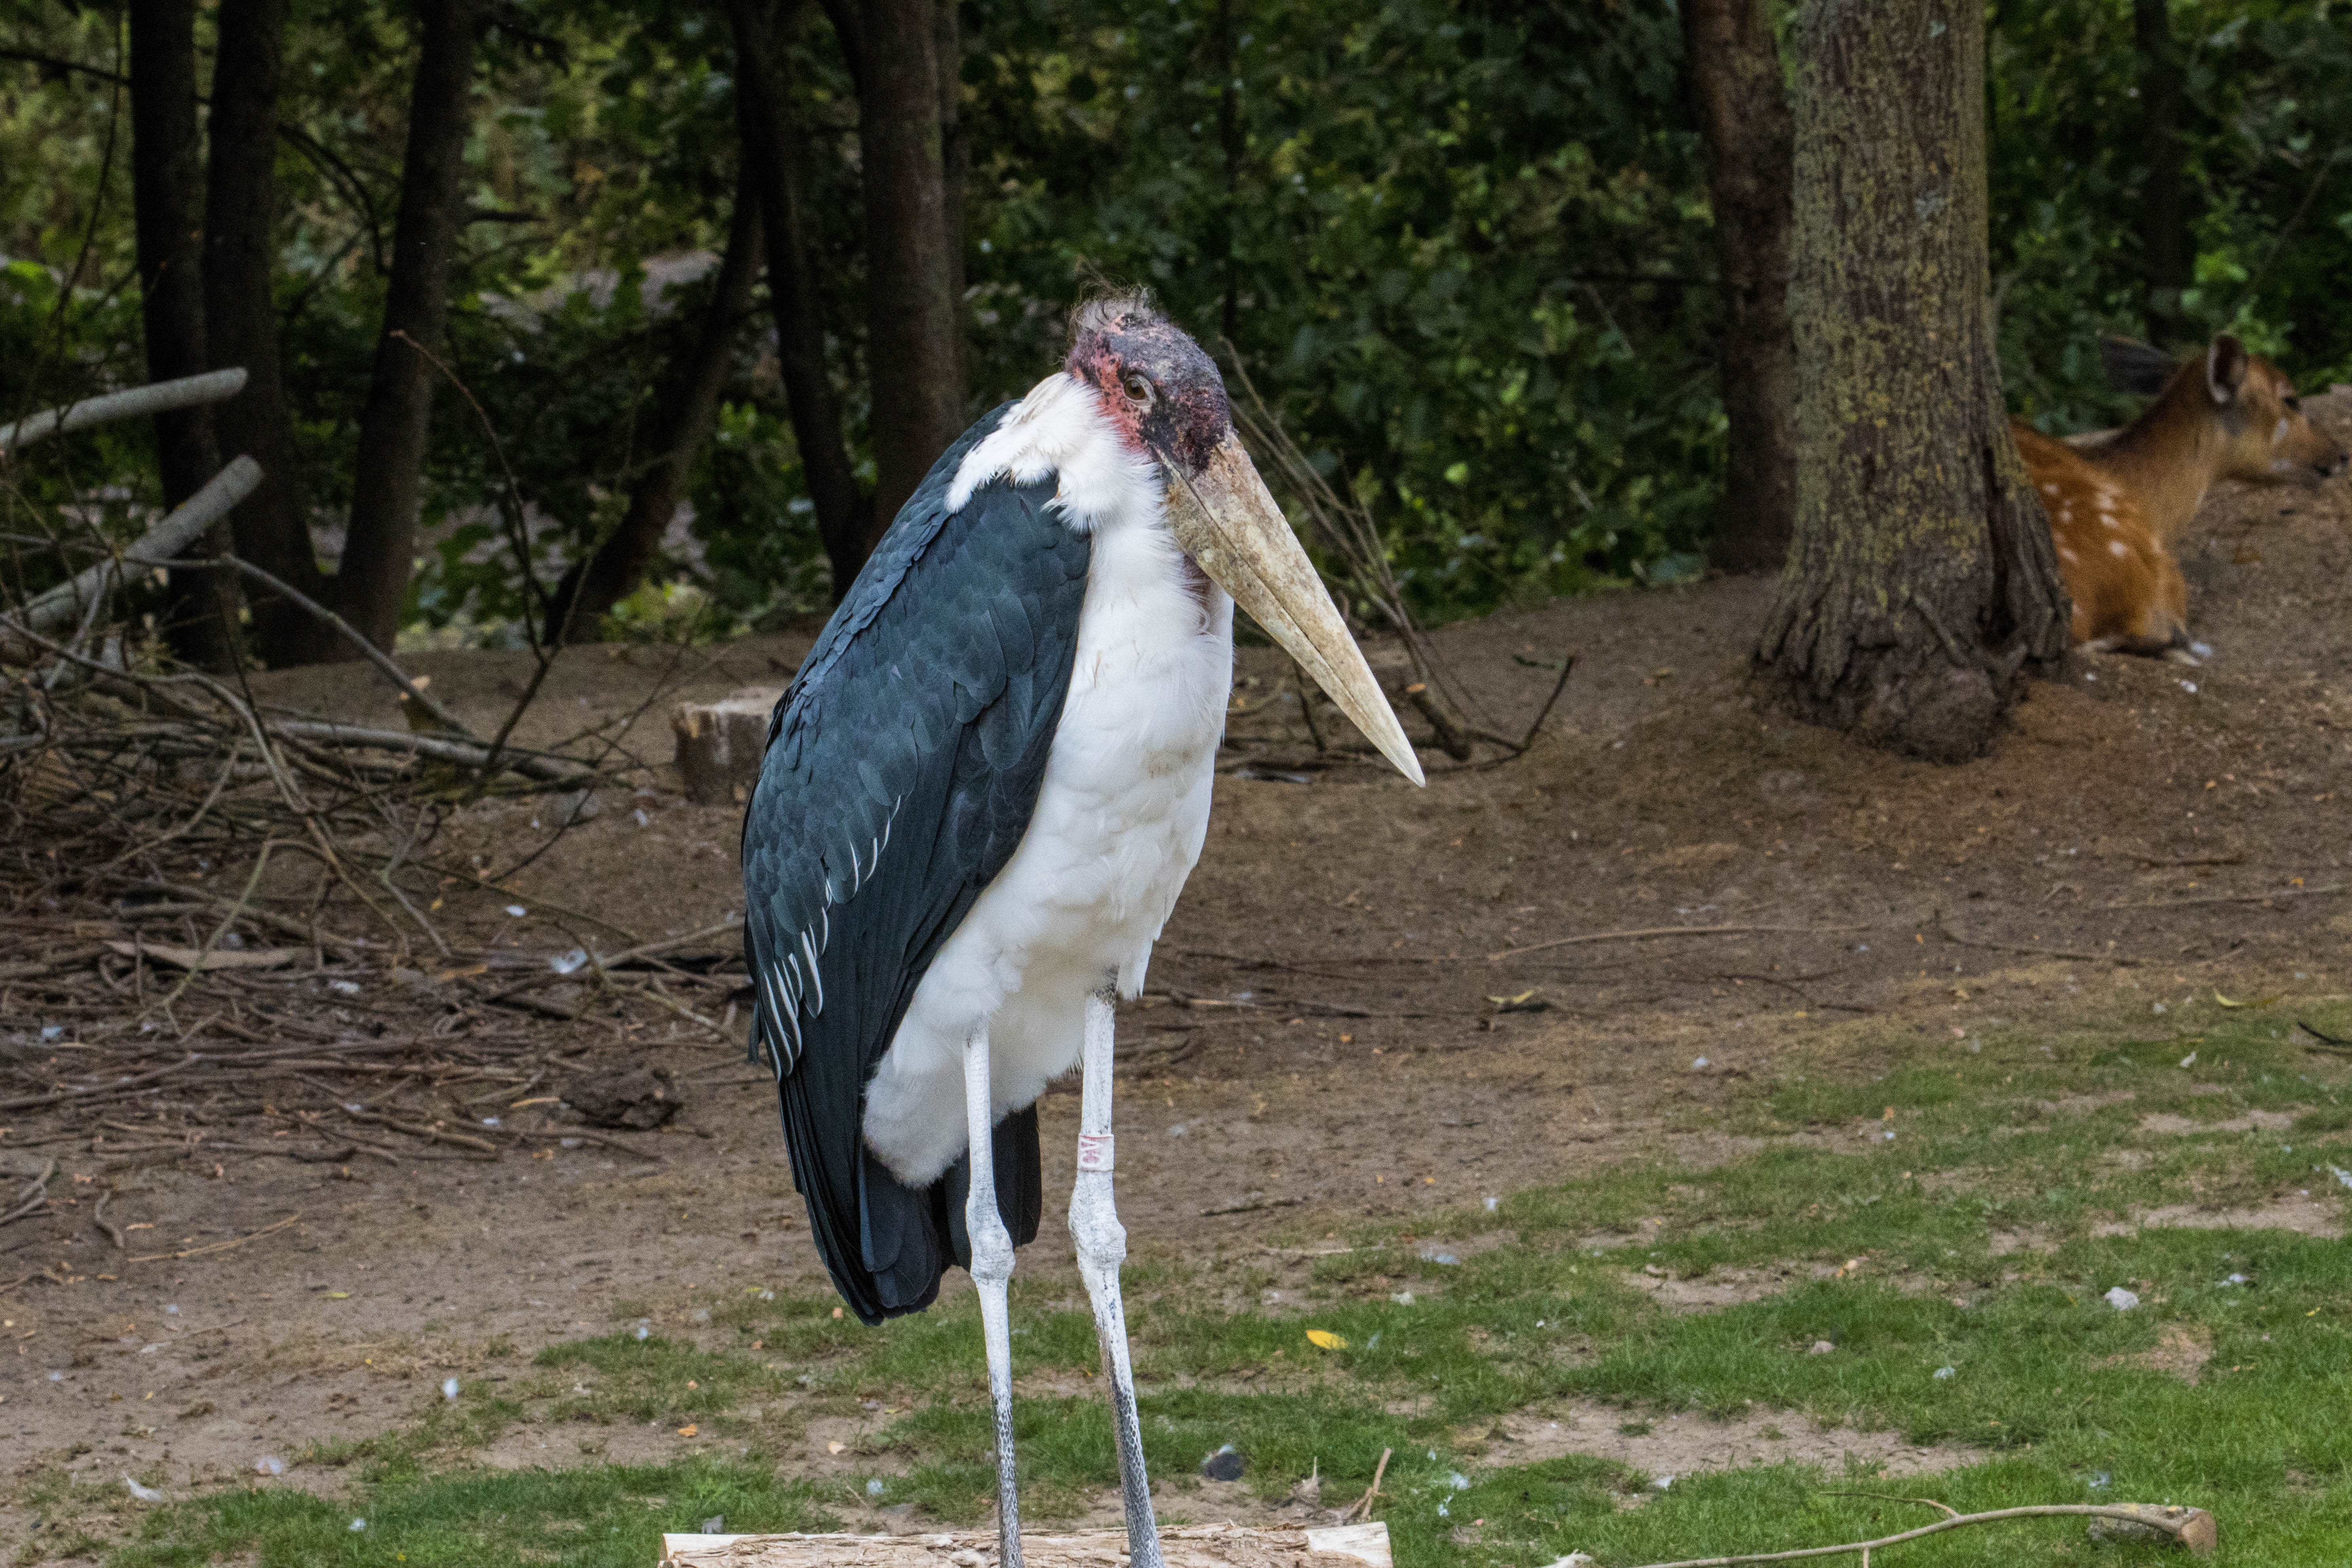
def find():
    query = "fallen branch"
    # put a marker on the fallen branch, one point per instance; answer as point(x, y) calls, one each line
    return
point(444, 748)
point(1567, 668)
point(1643, 933)
point(48, 1275)
point(213, 386)
point(350, 633)
point(2332, 888)
point(1949, 934)
point(670, 944)
point(587, 1137)
point(35, 1194)
point(1363, 1505)
point(1451, 738)
point(229, 1246)
point(2327, 1041)
point(430, 1134)
point(1252, 1208)
point(59, 1097)
point(113, 1231)
point(2190, 1527)
point(182, 526)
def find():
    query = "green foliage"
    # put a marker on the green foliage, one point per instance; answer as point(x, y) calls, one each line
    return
point(1463, 247)
point(1421, 237)
point(2269, 168)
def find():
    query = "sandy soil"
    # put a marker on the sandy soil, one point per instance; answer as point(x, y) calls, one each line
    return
point(2142, 833)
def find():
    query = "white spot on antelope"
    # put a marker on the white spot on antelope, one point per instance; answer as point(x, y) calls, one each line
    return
point(2050, 490)
point(2066, 554)
point(2116, 547)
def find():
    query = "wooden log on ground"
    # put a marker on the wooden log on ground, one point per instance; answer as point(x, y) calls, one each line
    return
point(1205, 1546)
point(720, 743)
point(62, 606)
point(155, 398)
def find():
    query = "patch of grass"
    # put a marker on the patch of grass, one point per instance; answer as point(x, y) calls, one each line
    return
point(608, 1517)
point(1958, 1270)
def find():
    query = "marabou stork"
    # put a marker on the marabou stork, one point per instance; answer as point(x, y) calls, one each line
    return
point(981, 795)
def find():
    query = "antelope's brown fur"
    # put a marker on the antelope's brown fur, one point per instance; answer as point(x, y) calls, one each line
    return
point(2118, 501)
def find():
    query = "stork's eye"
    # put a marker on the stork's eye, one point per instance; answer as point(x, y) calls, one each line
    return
point(1139, 388)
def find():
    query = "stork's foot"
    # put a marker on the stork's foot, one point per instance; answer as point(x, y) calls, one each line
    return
point(1101, 1243)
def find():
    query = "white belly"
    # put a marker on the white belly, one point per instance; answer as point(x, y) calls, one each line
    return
point(1120, 819)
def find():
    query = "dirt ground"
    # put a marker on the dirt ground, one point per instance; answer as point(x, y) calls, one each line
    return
point(1372, 1000)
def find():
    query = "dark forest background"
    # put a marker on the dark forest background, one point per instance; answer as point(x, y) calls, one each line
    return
point(752, 257)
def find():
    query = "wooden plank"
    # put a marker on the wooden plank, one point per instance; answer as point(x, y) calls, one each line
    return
point(1205, 1546)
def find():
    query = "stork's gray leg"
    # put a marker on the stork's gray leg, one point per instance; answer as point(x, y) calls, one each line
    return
point(1102, 1248)
point(991, 1270)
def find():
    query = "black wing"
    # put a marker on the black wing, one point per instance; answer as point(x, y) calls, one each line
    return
point(901, 770)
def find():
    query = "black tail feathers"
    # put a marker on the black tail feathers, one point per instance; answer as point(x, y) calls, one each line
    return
point(888, 1260)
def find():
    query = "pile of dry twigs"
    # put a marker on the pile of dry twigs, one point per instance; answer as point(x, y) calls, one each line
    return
point(214, 912)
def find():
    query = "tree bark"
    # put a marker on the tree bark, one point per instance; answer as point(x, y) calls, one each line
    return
point(2165, 249)
point(393, 422)
point(914, 350)
point(1921, 576)
point(1743, 117)
point(1229, 148)
point(772, 167)
point(165, 172)
point(272, 526)
point(688, 410)
point(955, 174)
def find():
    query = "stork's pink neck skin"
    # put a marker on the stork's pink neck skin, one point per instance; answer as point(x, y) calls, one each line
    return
point(1158, 390)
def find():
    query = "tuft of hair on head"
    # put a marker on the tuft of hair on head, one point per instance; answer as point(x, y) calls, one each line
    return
point(1112, 310)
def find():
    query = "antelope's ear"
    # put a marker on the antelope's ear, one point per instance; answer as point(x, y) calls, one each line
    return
point(2225, 369)
point(2134, 367)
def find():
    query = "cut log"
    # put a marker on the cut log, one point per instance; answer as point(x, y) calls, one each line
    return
point(720, 744)
point(1206, 1546)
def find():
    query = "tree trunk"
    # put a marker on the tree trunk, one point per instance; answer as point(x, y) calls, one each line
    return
point(1229, 148)
point(1921, 575)
point(955, 174)
point(389, 477)
point(1743, 118)
point(688, 409)
point(272, 526)
point(165, 172)
point(2165, 249)
point(773, 165)
point(914, 316)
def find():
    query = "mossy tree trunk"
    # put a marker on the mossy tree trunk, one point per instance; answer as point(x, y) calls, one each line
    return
point(1921, 578)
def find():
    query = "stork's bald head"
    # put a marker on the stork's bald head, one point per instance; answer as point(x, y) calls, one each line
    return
point(1154, 384)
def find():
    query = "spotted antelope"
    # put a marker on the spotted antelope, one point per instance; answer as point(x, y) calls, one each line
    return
point(2117, 499)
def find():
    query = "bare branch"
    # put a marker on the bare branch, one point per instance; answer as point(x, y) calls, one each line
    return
point(183, 526)
point(375, 656)
point(2192, 1526)
point(213, 386)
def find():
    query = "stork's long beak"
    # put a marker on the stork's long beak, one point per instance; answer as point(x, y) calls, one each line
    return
point(1228, 523)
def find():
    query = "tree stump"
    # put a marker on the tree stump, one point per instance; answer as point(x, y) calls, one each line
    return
point(720, 744)
point(1206, 1546)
